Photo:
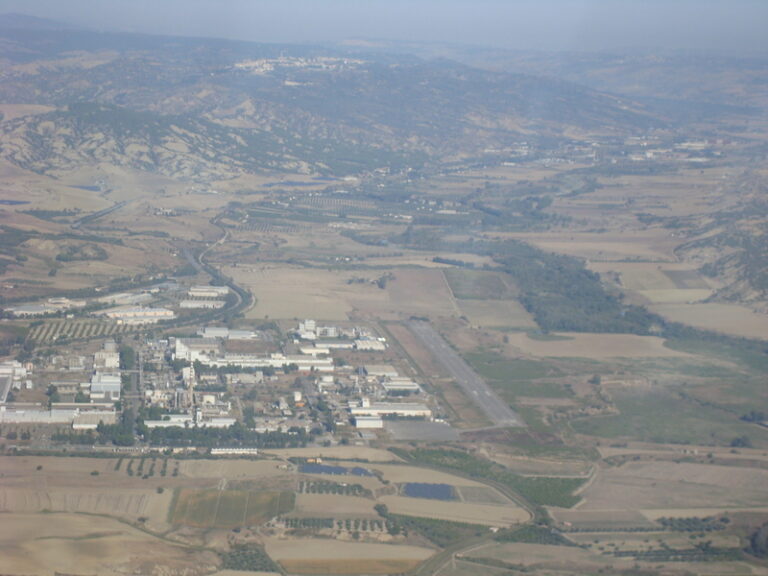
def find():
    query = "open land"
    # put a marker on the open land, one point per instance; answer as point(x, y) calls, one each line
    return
point(512, 281)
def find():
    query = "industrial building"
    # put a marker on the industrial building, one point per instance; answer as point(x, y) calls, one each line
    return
point(383, 409)
point(105, 386)
point(138, 314)
point(201, 304)
point(369, 422)
point(208, 291)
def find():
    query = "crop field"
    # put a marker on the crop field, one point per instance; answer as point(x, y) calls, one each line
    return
point(687, 279)
point(483, 495)
point(284, 292)
point(484, 514)
point(229, 468)
point(478, 284)
point(596, 520)
point(302, 556)
point(401, 474)
point(429, 491)
point(421, 292)
point(669, 485)
point(228, 508)
point(653, 245)
point(593, 346)
point(662, 417)
point(76, 544)
point(497, 314)
point(123, 503)
point(540, 555)
point(727, 318)
point(52, 331)
point(316, 505)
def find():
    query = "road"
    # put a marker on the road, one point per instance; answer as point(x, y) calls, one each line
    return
point(470, 381)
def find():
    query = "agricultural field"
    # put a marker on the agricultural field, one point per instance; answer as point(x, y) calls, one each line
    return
point(592, 346)
point(671, 485)
point(497, 314)
point(479, 284)
point(228, 508)
point(341, 507)
point(67, 543)
point(56, 330)
point(661, 416)
point(733, 319)
point(483, 514)
point(305, 556)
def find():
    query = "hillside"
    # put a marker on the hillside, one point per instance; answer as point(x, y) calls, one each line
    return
point(176, 105)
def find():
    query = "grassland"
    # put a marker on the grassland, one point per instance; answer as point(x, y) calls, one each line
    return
point(665, 417)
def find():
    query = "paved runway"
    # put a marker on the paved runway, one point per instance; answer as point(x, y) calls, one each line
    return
point(470, 381)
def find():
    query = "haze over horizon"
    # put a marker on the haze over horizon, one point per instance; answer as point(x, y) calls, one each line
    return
point(589, 25)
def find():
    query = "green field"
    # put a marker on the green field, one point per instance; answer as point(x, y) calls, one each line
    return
point(513, 377)
point(668, 417)
point(228, 508)
point(477, 285)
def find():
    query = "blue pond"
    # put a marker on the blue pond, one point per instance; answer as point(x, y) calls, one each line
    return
point(433, 491)
point(335, 470)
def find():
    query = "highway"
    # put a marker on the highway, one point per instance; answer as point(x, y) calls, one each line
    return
point(470, 382)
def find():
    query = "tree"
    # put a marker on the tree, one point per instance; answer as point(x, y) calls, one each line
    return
point(53, 395)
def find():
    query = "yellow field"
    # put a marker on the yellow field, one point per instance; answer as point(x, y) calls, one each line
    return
point(306, 556)
point(289, 292)
point(485, 514)
point(44, 544)
point(562, 557)
point(399, 474)
point(727, 318)
point(230, 469)
point(597, 346)
point(608, 246)
point(285, 292)
point(320, 505)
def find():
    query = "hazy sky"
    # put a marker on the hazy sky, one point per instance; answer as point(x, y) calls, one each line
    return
point(543, 24)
